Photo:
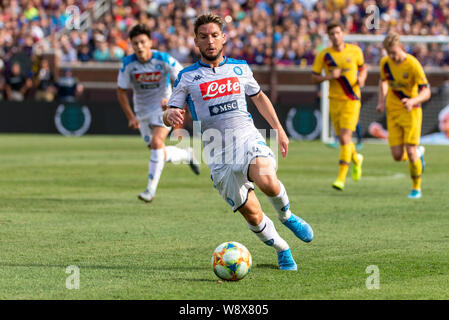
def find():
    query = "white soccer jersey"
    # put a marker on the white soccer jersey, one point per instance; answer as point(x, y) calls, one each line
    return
point(150, 81)
point(217, 96)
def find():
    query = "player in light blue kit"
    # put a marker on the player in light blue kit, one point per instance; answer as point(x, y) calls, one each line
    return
point(215, 89)
point(148, 72)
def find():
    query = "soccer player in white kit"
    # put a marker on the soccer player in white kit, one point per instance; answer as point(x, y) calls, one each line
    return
point(215, 89)
point(148, 72)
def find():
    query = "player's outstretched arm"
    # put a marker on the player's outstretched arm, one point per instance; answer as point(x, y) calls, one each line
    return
point(424, 94)
point(334, 74)
point(266, 109)
point(122, 97)
point(363, 74)
point(383, 89)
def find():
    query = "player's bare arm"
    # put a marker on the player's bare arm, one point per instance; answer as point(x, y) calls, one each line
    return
point(363, 74)
point(164, 104)
point(266, 109)
point(334, 74)
point(122, 97)
point(423, 95)
point(383, 89)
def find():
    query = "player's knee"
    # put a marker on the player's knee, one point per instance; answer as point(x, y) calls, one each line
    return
point(252, 214)
point(253, 218)
point(345, 136)
point(343, 140)
point(269, 185)
point(156, 143)
point(398, 156)
point(251, 210)
point(412, 155)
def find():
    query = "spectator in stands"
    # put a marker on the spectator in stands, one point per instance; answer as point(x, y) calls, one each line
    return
point(115, 52)
point(2, 79)
point(68, 87)
point(84, 53)
point(27, 46)
point(17, 85)
point(101, 52)
point(44, 83)
point(25, 23)
point(117, 38)
point(30, 12)
point(178, 49)
point(67, 52)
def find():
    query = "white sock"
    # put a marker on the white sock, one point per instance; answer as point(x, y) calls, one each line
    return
point(266, 232)
point(281, 204)
point(155, 167)
point(176, 155)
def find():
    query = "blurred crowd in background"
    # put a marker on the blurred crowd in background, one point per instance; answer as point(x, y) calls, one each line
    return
point(283, 32)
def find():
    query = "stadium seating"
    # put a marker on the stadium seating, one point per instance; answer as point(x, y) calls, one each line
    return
point(295, 26)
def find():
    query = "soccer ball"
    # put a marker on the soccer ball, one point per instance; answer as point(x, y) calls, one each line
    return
point(231, 261)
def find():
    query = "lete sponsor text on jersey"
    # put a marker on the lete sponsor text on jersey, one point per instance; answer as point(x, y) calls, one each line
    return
point(220, 88)
point(147, 77)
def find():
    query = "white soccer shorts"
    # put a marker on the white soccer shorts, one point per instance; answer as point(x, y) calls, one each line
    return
point(147, 122)
point(231, 179)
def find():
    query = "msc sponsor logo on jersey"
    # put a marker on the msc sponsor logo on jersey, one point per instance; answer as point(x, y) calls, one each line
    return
point(148, 77)
point(220, 88)
point(223, 107)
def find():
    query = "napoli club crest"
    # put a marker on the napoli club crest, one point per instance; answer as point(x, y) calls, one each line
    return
point(238, 71)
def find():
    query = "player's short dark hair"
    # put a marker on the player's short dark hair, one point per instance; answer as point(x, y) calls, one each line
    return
point(334, 24)
point(208, 18)
point(139, 29)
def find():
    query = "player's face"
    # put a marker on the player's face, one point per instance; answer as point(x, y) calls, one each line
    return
point(141, 45)
point(395, 53)
point(210, 40)
point(336, 36)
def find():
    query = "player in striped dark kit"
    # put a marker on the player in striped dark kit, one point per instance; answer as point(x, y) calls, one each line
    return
point(402, 89)
point(344, 67)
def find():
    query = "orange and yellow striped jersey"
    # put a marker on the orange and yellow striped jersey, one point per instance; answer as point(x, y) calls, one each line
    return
point(404, 80)
point(350, 60)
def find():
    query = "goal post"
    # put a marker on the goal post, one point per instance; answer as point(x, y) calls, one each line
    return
point(327, 133)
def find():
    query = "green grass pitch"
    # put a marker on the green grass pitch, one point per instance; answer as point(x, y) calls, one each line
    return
point(73, 202)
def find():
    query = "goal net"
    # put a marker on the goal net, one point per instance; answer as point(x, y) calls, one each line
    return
point(428, 48)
